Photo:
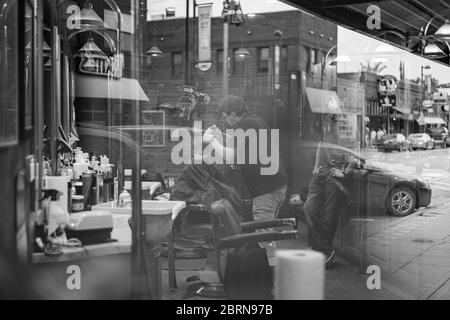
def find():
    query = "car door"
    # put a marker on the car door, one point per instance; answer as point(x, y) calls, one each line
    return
point(376, 185)
point(355, 210)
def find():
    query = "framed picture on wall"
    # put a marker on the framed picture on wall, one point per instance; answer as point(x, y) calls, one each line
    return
point(9, 95)
point(153, 134)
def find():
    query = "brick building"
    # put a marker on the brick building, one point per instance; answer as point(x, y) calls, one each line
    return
point(305, 42)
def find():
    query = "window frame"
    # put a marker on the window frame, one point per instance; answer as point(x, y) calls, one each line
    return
point(174, 69)
point(259, 69)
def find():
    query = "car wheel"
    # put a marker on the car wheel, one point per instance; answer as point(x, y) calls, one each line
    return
point(401, 201)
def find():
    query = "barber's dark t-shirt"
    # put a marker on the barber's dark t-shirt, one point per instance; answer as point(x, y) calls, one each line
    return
point(257, 183)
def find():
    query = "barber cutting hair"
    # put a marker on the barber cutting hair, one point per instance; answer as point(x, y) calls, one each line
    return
point(267, 191)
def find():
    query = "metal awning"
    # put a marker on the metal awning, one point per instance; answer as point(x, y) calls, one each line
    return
point(401, 20)
point(323, 101)
point(430, 120)
point(109, 88)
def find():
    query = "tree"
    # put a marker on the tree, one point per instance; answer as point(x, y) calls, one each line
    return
point(373, 68)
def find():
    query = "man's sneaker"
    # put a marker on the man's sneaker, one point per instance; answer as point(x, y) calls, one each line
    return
point(330, 260)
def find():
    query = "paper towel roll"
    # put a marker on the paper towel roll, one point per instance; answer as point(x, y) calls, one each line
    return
point(299, 275)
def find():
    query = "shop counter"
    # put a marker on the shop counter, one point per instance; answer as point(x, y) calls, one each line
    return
point(121, 236)
point(104, 270)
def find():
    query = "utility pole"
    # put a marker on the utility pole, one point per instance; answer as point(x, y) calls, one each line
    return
point(186, 46)
point(225, 57)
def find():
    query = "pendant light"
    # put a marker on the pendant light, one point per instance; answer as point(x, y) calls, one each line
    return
point(87, 18)
point(155, 52)
point(242, 52)
point(385, 49)
point(46, 49)
point(90, 50)
point(432, 51)
point(340, 59)
point(444, 31)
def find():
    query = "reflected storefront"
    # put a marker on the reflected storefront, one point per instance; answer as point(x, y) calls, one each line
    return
point(115, 140)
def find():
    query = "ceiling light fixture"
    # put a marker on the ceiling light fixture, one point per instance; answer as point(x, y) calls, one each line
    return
point(155, 52)
point(242, 53)
point(432, 51)
point(90, 50)
point(444, 31)
point(87, 18)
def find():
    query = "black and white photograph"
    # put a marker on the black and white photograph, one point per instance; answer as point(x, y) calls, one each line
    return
point(211, 152)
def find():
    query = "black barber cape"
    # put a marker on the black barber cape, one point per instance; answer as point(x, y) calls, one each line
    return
point(204, 184)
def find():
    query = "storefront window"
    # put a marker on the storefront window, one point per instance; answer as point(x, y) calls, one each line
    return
point(263, 60)
point(146, 154)
point(177, 64)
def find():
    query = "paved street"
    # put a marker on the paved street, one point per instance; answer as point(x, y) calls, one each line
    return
point(414, 251)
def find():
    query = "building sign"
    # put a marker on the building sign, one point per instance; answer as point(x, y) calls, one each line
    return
point(427, 103)
point(428, 83)
point(387, 85)
point(351, 96)
point(276, 67)
point(101, 65)
point(204, 37)
point(386, 101)
point(440, 97)
point(387, 90)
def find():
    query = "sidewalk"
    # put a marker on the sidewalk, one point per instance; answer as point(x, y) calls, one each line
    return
point(342, 282)
point(413, 255)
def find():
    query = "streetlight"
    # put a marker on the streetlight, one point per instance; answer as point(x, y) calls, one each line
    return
point(334, 62)
point(324, 64)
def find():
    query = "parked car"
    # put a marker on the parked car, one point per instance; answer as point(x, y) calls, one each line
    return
point(378, 190)
point(439, 135)
point(420, 141)
point(395, 141)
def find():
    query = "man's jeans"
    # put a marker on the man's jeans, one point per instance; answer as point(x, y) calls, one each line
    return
point(322, 210)
point(267, 206)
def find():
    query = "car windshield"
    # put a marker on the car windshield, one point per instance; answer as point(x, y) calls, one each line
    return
point(391, 136)
point(416, 136)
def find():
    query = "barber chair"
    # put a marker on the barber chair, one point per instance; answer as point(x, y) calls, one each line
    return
point(230, 235)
